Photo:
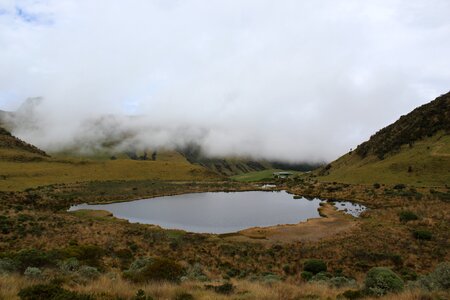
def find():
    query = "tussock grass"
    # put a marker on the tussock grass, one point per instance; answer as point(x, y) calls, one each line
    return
point(109, 287)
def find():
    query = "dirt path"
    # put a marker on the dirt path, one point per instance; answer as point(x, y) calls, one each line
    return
point(333, 223)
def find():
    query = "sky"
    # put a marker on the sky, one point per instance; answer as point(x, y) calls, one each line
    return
point(288, 79)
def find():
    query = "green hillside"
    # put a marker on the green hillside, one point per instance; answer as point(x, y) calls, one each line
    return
point(414, 150)
point(24, 166)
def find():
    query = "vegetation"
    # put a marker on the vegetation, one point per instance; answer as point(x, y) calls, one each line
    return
point(380, 281)
point(315, 266)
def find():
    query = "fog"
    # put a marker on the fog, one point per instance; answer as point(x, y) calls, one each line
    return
point(287, 80)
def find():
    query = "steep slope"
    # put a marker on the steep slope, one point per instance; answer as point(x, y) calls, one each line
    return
point(413, 150)
point(12, 148)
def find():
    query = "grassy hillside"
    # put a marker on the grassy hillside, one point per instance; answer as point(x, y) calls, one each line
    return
point(24, 166)
point(414, 150)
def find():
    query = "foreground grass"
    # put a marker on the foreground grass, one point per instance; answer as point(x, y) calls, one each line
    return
point(114, 287)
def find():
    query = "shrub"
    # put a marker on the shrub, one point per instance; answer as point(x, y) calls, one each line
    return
point(315, 266)
point(307, 276)
point(321, 276)
point(32, 258)
point(407, 215)
point(341, 281)
point(88, 272)
point(226, 288)
point(33, 272)
point(69, 265)
point(352, 294)
point(7, 266)
point(88, 254)
point(380, 281)
point(421, 234)
point(399, 186)
point(376, 185)
point(184, 296)
point(437, 280)
point(155, 269)
point(50, 292)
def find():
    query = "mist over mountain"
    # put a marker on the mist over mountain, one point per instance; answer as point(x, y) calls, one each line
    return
point(285, 80)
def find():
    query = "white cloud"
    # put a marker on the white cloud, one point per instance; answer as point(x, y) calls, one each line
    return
point(295, 80)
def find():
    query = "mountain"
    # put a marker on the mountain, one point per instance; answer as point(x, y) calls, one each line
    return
point(229, 166)
point(414, 150)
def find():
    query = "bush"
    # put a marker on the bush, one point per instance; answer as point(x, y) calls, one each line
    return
point(69, 265)
point(33, 272)
point(322, 276)
point(352, 294)
point(50, 292)
point(376, 185)
point(315, 266)
point(32, 258)
point(7, 266)
point(421, 234)
point(407, 215)
point(226, 288)
point(380, 281)
point(155, 269)
point(184, 296)
point(307, 276)
point(399, 186)
point(88, 254)
point(88, 272)
point(437, 280)
point(341, 281)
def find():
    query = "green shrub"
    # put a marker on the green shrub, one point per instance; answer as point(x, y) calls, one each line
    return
point(341, 281)
point(32, 258)
point(307, 276)
point(407, 215)
point(352, 294)
point(33, 272)
point(315, 266)
point(380, 281)
point(155, 269)
point(69, 265)
point(87, 272)
point(50, 292)
point(88, 254)
point(422, 234)
point(399, 186)
point(184, 296)
point(321, 276)
point(7, 266)
point(437, 280)
point(226, 288)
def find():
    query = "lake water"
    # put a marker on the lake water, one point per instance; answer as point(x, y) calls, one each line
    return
point(218, 212)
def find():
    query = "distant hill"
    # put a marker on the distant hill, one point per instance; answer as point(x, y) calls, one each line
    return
point(414, 150)
point(12, 148)
point(230, 166)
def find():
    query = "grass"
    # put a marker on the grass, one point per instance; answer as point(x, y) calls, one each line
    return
point(426, 163)
point(111, 287)
point(265, 175)
point(16, 175)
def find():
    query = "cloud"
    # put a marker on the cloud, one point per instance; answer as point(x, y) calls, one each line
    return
point(292, 80)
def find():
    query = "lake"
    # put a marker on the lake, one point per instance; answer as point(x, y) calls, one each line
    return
point(217, 212)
